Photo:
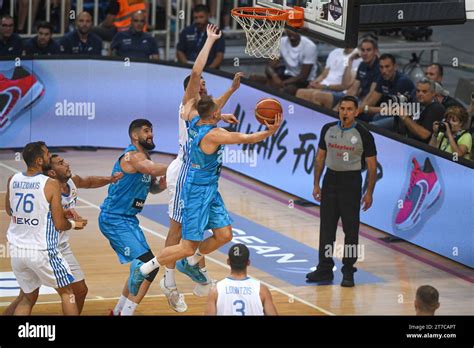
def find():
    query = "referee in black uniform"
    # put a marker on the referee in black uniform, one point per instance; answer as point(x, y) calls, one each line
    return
point(346, 147)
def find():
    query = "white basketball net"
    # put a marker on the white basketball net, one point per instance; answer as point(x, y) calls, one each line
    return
point(263, 35)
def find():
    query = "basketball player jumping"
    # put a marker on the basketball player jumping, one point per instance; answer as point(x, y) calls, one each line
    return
point(239, 294)
point(117, 219)
point(34, 203)
point(202, 204)
point(176, 176)
point(60, 170)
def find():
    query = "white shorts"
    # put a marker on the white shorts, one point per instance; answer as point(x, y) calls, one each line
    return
point(175, 178)
point(76, 270)
point(33, 268)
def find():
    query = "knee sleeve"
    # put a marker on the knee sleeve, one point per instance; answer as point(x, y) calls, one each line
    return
point(145, 258)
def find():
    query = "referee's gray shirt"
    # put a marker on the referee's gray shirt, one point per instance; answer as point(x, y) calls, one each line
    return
point(346, 149)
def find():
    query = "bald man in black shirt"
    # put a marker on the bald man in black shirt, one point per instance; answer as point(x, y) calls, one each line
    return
point(346, 147)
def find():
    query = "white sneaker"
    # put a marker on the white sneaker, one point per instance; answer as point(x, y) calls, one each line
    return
point(202, 290)
point(175, 299)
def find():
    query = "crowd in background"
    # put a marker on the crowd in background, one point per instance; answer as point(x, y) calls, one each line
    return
point(374, 77)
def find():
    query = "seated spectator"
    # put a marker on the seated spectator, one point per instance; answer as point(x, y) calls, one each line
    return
point(435, 72)
point(368, 72)
point(10, 43)
point(299, 56)
point(43, 43)
point(82, 40)
point(419, 126)
point(427, 300)
point(328, 89)
point(134, 43)
point(118, 18)
point(442, 96)
point(453, 138)
point(391, 82)
point(192, 39)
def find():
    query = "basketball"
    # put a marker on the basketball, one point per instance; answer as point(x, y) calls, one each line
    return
point(266, 110)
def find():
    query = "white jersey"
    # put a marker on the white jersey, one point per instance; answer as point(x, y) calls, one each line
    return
point(239, 297)
point(68, 201)
point(31, 224)
point(182, 135)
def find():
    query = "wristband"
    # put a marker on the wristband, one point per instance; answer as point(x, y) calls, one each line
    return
point(73, 224)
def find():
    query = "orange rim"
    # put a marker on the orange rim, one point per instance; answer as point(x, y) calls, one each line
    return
point(271, 14)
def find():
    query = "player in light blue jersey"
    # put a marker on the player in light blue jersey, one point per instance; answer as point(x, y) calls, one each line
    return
point(117, 219)
point(203, 207)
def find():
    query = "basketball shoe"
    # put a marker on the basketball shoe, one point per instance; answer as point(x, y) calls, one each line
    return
point(17, 95)
point(175, 299)
point(423, 191)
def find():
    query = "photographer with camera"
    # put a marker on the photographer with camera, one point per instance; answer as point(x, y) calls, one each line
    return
point(449, 135)
point(419, 124)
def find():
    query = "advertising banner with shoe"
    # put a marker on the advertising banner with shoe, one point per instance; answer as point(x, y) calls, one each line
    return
point(420, 197)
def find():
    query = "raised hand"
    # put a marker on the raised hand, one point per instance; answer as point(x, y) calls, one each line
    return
point(236, 82)
point(212, 32)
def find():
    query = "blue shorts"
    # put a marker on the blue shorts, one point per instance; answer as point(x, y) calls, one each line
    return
point(124, 234)
point(203, 209)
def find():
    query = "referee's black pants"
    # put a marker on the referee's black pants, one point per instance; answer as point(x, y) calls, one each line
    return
point(340, 198)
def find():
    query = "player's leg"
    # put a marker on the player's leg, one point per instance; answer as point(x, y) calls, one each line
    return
point(11, 307)
point(220, 223)
point(79, 286)
point(26, 303)
point(28, 280)
point(80, 291)
point(68, 300)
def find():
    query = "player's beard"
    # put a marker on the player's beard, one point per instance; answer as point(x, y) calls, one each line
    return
point(146, 145)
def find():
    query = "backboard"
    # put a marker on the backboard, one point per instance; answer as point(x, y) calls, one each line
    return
point(332, 21)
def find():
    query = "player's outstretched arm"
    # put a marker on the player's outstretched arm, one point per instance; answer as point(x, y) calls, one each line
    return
point(52, 191)
point(7, 198)
point(267, 301)
point(96, 181)
point(222, 100)
point(140, 163)
point(192, 90)
point(211, 308)
point(220, 136)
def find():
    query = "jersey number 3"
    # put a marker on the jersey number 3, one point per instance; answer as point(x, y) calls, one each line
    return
point(242, 306)
point(27, 204)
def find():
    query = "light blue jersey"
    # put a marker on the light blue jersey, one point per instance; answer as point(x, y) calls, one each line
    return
point(203, 207)
point(117, 218)
point(127, 196)
point(204, 169)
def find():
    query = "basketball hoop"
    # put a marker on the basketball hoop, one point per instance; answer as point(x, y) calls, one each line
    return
point(264, 28)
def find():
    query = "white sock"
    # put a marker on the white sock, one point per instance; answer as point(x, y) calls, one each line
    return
point(194, 260)
point(149, 266)
point(204, 271)
point(170, 282)
point(129, 307)
point(119, 305)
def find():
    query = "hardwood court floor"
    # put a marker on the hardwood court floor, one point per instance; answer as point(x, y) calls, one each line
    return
point(399, 265)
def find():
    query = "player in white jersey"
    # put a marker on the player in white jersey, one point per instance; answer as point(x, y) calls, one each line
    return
point(33, 201)
point(176, 176)
point(239, 294)
point(60, 170)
